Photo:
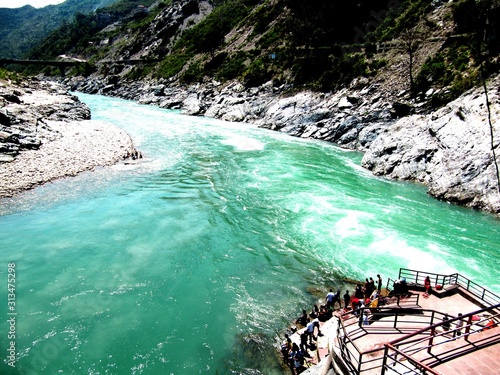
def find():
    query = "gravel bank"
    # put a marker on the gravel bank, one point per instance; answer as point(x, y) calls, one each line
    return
point(46, 133)
point(81, 146)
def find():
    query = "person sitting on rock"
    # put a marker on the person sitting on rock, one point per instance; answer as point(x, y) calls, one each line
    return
point(314, 312)
point(302, 320)
point(324, 314)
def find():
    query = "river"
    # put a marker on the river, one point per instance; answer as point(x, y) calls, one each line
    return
point(196, 259)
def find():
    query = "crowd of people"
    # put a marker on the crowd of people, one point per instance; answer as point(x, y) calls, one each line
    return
point(367, 295)
point(361, 303)
point(308, 323)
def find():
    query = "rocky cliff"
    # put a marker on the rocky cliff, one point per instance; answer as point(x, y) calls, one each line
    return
point(449, 150)
point(257, 62)
point(24, 109)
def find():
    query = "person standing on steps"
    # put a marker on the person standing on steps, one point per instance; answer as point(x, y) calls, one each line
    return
point(427, 285)
point(459, 325)
point(379, 283)
point(358, 292)
point(446, 323)
point(372, 285)
point(366, 288)
point(347, 299)
point(330, 299)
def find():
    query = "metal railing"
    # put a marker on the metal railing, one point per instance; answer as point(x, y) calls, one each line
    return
point(418, 277)
point(420, 333)
point(402, 350)
point(416, 367)
point(395, 321)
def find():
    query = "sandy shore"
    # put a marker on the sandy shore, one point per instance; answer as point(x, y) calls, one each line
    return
point(80, 146)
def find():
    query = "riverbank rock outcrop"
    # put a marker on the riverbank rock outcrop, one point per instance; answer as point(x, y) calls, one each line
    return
point(46, 133)
point(452, 150)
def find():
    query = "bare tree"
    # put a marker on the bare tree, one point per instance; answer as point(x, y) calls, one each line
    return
point(411, 40)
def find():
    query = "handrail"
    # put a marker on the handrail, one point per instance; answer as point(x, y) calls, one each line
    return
point(408, 339)
point(358, 357)
point(478, 291)
point(418, 339)
point(410, 359)
point(450, 321)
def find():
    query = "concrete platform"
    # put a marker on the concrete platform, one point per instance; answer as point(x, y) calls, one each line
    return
point(449, 355)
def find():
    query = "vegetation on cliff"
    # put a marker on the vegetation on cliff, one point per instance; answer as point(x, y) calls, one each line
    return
point(368, 63)
point(321, 44)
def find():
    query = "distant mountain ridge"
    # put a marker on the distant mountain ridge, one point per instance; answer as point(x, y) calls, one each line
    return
point(23, 28)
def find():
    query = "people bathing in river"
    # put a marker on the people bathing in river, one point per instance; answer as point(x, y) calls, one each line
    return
point(134, 154)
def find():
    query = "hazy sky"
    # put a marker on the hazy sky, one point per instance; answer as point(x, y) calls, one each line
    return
point(20, 3)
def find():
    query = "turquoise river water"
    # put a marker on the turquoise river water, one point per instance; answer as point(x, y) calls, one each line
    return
point(195, 260)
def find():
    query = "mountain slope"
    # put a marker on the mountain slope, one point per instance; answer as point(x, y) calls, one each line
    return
point(344, 72)
point(320, 44)
point(23, 28)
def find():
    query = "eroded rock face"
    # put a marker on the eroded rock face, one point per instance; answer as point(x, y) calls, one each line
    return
point(351, 118)
point(449, 150)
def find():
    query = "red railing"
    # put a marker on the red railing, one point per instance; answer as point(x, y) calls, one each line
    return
point(419, 333)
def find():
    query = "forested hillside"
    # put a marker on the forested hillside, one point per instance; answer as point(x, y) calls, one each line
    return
point(322, 44)
point(23, 28)
point(391, 78)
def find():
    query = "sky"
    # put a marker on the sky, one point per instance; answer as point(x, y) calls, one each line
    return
point(21, 3)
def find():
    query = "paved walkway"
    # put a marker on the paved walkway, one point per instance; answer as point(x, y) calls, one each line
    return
point(478, 355)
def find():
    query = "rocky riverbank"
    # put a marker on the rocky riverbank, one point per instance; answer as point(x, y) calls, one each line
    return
point(449, 149)
point(46, 133)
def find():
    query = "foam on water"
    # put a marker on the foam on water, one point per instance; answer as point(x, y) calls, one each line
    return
point(244, 143)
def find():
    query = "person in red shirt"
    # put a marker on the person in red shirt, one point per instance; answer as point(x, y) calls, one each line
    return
point(427, 285)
